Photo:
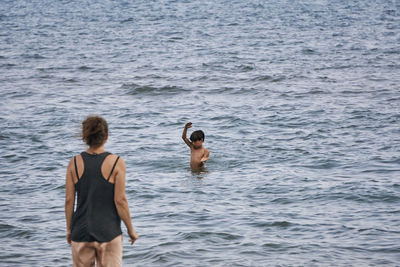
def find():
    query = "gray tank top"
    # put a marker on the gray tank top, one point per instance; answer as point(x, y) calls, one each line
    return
point(96, 217)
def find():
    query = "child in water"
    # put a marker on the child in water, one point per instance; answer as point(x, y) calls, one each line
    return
point(198, 154)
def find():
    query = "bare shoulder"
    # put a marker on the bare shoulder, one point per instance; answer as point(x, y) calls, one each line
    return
point(109, 162)
point(114, 157)
point(75, 165)
point(76, 158)
point(70, 165)
point(120, 163)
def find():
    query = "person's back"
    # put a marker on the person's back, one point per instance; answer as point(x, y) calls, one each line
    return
point(96, 217)
point(98, 179)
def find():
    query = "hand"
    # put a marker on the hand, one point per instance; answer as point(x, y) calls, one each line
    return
point(69, 237)
point(203, 160)
point(188, 125)
point(133, 236)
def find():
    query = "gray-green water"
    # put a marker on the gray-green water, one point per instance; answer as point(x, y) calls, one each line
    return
point(299, 101)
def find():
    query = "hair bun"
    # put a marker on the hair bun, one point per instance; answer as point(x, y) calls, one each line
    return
point(94, 130)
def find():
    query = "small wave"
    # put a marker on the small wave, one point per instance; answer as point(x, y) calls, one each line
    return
point(175, 38)
point(52, 69)
point(380, 170)
point(308, 51)
point(127, 20)
point(84, 68)
point(279, 224)
point(230, 121)
point(282, 200)
point(33, 56)
point(392, 51)
point(7, 65)
point(202, 235)
point(275, 246)
point(245, 68)
point(148, 196)
point(273, 78)
point(312, 92)
point(264, 78)
point(357, 196)
point(328, 164)
point(135, 89)
point(11, 231)
point(169, 244)
point(70, 80)
point(167, 257)
point(6, 227)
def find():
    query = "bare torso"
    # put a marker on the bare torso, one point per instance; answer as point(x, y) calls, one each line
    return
point(198, 157)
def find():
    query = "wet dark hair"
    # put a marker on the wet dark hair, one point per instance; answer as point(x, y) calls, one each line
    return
point(197, 135)
point(94, 130)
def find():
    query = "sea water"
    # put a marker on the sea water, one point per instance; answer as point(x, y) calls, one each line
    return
point(299, 101)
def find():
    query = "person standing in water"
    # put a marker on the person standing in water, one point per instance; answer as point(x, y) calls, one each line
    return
point(97, 178)
point(198, 154)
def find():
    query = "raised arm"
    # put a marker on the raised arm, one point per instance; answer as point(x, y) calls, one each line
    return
point(120, 200)
point(184, 133)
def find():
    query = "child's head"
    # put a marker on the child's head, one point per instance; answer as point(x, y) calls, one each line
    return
point(197, 138)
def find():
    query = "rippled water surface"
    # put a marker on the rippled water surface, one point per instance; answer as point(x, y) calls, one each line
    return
point(299, 101)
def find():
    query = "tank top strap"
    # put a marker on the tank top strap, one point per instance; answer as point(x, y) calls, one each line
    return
point(115, 164)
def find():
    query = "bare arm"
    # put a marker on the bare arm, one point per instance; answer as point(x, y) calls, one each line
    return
point(184, 133)
point(69, 198)
point(120, 200)
point(206, 156)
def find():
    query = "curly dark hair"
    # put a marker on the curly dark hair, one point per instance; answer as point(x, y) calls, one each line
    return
point(94, 130)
